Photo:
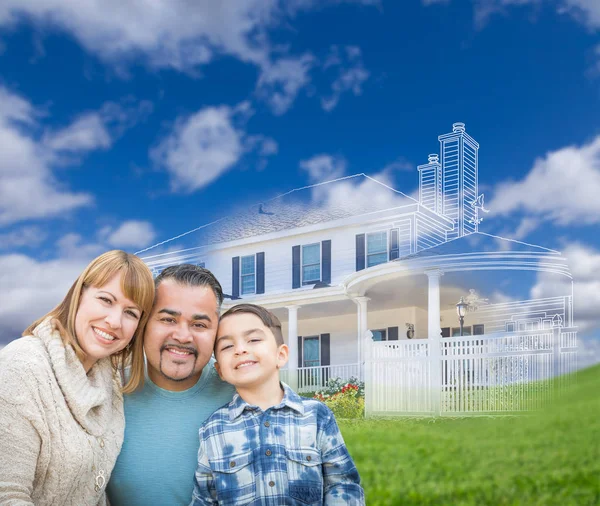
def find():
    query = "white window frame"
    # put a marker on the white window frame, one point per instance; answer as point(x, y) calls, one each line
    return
point(247, 275)
point(318, 337)
point(311, 282)
point(387, 246)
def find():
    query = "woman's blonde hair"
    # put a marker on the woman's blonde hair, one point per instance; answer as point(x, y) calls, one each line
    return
point(137, 285)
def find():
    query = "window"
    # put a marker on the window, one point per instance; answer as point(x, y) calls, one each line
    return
point(248, 275)
point(377, 252)
point(379, 335)
point(478, 329)
point(466, 331)
point(311, 263)
point(311, 351)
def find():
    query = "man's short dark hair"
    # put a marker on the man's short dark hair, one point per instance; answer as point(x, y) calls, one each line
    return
point(269, 319)
point(191, 275)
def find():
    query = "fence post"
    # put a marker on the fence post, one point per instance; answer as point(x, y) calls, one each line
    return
point(435, 371)
point(368, 353)
point(556, 332)
point(434, 336)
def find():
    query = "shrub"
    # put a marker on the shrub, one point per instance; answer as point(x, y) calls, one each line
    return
point(346, 403)
point(335, 385)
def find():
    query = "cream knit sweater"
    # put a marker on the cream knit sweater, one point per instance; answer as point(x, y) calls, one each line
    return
point(60, 428)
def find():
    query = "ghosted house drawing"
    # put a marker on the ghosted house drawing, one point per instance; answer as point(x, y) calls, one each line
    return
point(366, 279)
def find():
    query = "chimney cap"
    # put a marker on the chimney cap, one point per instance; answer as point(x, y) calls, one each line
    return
point(433, 158)
point(458, 127)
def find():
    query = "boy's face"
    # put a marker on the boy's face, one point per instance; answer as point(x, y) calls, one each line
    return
point(246, 352)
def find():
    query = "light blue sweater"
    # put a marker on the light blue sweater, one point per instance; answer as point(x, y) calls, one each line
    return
point(160, 452)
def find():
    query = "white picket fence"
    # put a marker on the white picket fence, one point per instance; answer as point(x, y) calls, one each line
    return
point(468, 375)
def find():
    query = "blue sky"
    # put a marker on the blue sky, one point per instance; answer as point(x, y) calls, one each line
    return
point(125, 124)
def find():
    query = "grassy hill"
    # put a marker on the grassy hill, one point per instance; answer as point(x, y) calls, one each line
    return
point(551, 457)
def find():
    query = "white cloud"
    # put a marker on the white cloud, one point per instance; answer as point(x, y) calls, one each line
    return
point(588, 352)
point(169, 34)
point(584, 263)
point(30, 288)
point(30, 236)
point(131, 234)
point(86, 133)
point(203, 146)
point(585, 11)
point(28, 187)
point(351, 74)
point(561, 188)
point(280, 82)
point(324, 167)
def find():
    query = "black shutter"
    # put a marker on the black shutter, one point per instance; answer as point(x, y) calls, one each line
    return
point(392, 333)
point(300, 364)
point(360, 252)
point(394, 244)
point(296, 267)
point(260, 272)
point(235, 278)
point(325, 354)
point(478, 329)
point(325, 358)
point(326, 261)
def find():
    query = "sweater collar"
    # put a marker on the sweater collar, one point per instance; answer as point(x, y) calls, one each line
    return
point(89, 396)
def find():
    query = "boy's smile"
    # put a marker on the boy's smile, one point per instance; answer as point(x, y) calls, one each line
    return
point(247, 353)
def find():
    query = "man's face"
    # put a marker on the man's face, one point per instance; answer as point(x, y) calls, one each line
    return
point(180, 334)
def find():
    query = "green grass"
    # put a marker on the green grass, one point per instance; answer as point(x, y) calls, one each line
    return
point(551, 457)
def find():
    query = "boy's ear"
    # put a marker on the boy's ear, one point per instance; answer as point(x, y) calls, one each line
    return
point(283, 353)
point(218, 369)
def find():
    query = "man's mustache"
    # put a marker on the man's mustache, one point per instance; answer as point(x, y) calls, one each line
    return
point(189, 349)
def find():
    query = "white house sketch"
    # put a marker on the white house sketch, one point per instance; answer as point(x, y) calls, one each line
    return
point(365, 280)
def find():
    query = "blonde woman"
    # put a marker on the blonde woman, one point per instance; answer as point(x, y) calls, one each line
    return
point(61, 386)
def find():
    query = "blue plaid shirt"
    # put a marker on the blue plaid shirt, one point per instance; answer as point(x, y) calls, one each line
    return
point(290, 454)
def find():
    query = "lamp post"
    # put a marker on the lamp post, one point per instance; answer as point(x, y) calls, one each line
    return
point(461, 310)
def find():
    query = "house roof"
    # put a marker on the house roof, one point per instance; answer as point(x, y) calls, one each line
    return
point(478, 242)
point(341, 198)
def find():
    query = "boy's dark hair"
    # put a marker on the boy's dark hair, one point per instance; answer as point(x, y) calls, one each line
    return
point(269, 319)
point(192, 275)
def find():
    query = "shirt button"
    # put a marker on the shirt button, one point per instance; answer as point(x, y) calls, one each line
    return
point(268, 453)
point(271, 484)
point(308, 458)
point(267, 424)
point(232, 463)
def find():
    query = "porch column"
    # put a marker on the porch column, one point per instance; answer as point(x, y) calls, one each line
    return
point(293, 346)
point(433, 304)
point(361, 327)
point(434, 334)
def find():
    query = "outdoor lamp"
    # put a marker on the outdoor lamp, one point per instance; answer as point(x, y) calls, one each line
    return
point(461, 310)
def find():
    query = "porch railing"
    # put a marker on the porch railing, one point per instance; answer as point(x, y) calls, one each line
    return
point(313, 379)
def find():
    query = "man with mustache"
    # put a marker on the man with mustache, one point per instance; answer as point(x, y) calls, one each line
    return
point(159, 454)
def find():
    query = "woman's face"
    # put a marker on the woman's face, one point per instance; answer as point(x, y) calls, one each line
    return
point(105, 321)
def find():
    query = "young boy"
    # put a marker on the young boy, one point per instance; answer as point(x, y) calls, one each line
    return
point(268, 446)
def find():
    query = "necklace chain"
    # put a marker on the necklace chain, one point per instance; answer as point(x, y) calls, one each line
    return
point(99, 478)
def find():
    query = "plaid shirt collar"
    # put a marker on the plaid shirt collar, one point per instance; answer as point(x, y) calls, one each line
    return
point(290, 399)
